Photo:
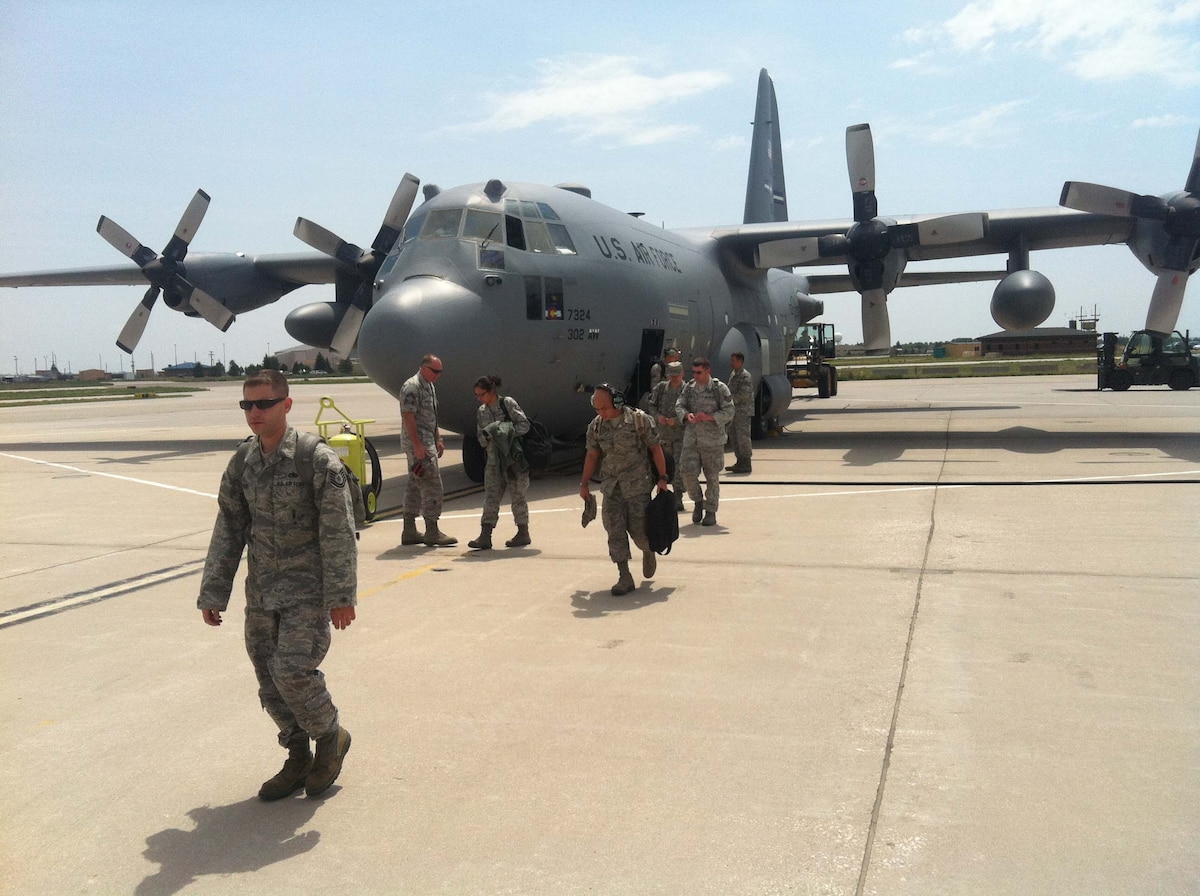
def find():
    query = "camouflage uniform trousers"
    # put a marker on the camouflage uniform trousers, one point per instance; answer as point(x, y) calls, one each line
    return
point(495, 483)
point(286, 646)
point(710, 459)
point(423, 494)
point(671, 438)
point(739, 436)
point(624, 513)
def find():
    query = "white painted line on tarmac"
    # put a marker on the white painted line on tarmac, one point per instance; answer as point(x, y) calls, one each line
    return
point(81, 598)
point(46, 463)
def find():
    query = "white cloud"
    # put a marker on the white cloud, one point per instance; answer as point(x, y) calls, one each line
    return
point(599, 96)
point(982, 128)
point(1162, 121)
point(1094, 39)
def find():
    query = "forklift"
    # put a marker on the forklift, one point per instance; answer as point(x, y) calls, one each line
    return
point(808, 364)
point(1149, 359)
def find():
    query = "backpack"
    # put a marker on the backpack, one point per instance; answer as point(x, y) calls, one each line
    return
point(306, 449)
point(643, 430)
point(537, 445)
point(662, 522)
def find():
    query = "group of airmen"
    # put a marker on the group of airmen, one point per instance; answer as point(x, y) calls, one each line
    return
point(680, 425)
point(285, 501)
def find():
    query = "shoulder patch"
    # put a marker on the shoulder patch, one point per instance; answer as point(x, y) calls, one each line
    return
point(336, 476)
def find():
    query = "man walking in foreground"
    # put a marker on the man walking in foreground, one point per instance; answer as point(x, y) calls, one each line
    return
point(284, 497)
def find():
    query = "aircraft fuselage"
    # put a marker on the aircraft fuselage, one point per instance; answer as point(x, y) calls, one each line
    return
point(555, 293)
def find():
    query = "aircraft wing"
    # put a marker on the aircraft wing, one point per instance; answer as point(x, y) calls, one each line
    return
point(823, 284)
point(287, 271)
point(795, 244)
point(298, 268)
point(114, 275)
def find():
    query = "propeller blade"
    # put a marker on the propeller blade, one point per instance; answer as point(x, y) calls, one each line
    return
point(131, 333)
point(833, 245)
point(963, 228)
point(124, 242)
point(1193, 179)
point(206, 306)
point(877, 328)
point(1097, 199)
point(188, 225)
point(326, 241)
point(1165, 301)
point(347, 332)
point(785, 253)
point(860, 163)
point(397, 214)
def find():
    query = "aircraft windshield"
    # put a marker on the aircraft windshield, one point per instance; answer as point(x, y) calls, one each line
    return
point(483, 226)
point(529, 226)
point(442, 223)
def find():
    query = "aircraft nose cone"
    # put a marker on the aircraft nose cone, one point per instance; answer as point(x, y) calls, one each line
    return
point(419, 316)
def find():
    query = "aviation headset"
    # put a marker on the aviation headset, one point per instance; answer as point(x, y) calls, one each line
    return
point(618, 397)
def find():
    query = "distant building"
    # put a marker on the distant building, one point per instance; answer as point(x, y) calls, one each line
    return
point(188, 368)
point(1039, 341)
point(306, 355)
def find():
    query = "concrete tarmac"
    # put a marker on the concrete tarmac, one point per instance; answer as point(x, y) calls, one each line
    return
point(945, 639)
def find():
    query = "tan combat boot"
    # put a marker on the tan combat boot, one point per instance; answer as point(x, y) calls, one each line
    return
point(520, 539)
point(291, 776)
point(435, 537)
point(484, 541)
point(411, 534)
point(331, 750)
point(625, 582)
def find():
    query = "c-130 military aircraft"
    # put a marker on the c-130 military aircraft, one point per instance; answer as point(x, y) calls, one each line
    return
point(558, 293)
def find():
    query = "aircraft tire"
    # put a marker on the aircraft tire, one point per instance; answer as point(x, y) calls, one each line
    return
point(372, 489)
point(474, 459)
point(1181, 380)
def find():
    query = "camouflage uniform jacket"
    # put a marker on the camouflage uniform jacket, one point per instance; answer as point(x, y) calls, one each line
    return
point(488, 414)
point(741, 388)
point(299, 535)
point(663, 400)
point(623, 443)
point(419, 397)
point(712, 398)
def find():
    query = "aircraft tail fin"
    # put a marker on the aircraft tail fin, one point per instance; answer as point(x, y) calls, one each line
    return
point(766, 195)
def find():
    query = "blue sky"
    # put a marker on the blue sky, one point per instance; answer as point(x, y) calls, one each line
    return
point(317, 109)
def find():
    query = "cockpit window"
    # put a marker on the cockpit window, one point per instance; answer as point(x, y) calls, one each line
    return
point(561, 239)
point(483, 226)
point(526, 230)
point(539, 239)
point(413, 227)
point(442, 223)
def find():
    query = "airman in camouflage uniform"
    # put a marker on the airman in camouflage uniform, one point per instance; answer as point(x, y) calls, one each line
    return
point(498, 423)
point(421, 441)
point(705, 406)
point(285, 500)
point(617, 441)
point(741, 388)
point(670, 431)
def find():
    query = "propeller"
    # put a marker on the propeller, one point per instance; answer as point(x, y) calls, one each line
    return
point(875, 248)
point(1179, 215)
point(364, 264)
point(165, 272)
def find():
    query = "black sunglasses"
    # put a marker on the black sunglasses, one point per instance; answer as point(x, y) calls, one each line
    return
point(261, 403)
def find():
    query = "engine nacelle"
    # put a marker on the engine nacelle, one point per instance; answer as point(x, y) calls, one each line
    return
point(315, 324)
point(1022, 300)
